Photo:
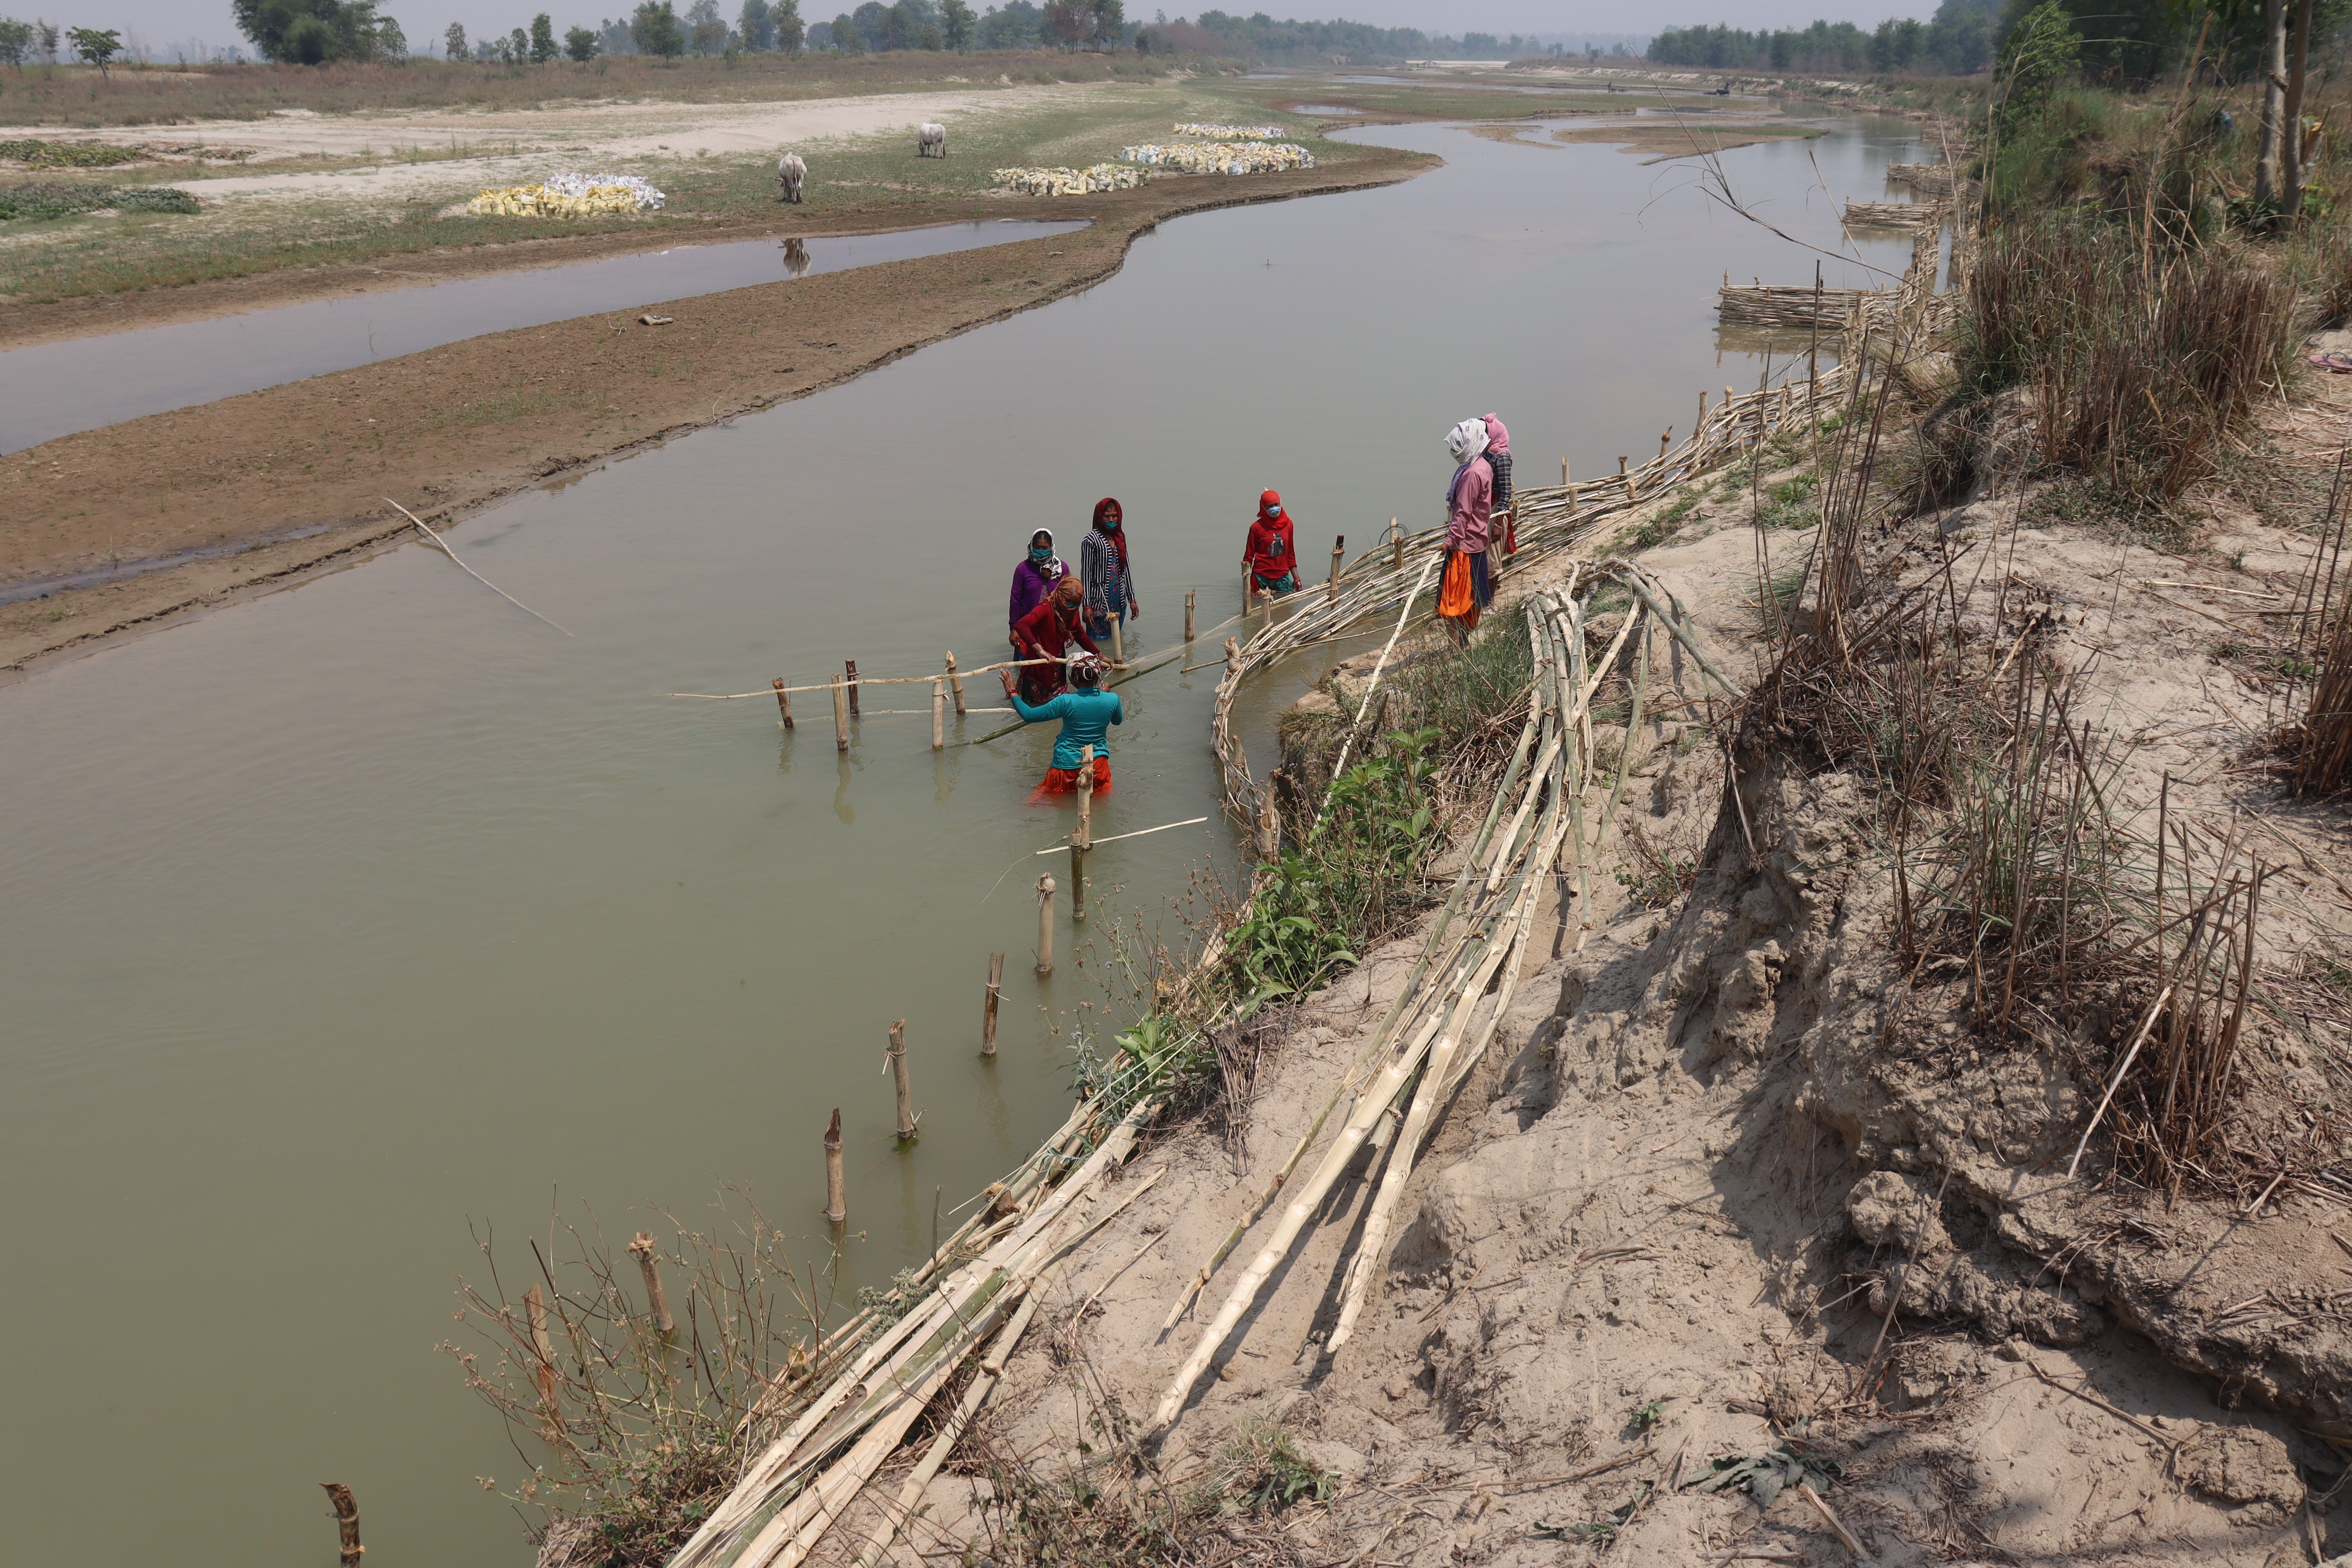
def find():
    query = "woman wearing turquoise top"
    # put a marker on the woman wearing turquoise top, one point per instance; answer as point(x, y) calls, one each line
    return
point(1086, 712)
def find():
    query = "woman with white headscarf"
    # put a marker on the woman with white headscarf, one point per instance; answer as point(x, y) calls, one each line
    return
point(1469, 506)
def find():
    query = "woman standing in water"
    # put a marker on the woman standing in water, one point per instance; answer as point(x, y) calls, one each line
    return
point(1102, 561)
point(1036, 576)
point(1270, 552)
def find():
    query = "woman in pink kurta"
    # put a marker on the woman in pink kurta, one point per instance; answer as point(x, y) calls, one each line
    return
point(1469, 507)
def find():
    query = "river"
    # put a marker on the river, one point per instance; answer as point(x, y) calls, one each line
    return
point(358, 913)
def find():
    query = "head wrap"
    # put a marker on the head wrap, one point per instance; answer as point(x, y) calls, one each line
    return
point(1109, 520)
point(1269, 504)
point(1498, 439)
point(1041, 556)
point(1086, 669)
point(1467, 440)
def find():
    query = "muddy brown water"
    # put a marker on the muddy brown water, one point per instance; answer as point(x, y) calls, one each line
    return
point(349, 917)
point(50, 390)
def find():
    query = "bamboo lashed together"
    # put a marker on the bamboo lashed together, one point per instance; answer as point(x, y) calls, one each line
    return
point(837, 1202)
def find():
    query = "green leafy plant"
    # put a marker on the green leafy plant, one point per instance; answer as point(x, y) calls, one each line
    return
point(1647, 1415)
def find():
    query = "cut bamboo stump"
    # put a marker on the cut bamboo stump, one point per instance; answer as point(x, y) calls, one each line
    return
point(849, 666)
point(1232, 658)
point(1189, 595)
point(955, 681)
point(836, 1203)
point(1046, 924)
point(784, 701)
point(1269, 821)
point(909, 1116)
point(1117, 643)
point(939, 714)
point(656, 1303)
point(347, 1521)
point(988, 1007)
point(1396, 542)
point(1077, 880)
point(1082, 839)
point(840, 719)
point(1338, 553)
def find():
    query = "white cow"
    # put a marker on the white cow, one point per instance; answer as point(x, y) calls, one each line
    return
point(790, 174)
point(929, 136)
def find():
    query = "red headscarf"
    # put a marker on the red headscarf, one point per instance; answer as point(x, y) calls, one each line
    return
point(1117, 536)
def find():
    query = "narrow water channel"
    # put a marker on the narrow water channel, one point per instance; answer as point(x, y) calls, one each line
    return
point(355, 915)
point(50, 390)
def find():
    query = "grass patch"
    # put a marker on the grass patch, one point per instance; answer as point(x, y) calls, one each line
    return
point(35, 201)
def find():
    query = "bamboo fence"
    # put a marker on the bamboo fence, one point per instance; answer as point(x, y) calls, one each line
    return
point(1793, 306)
point(1896, 214)
point(845, 1415)
point(1927, 179)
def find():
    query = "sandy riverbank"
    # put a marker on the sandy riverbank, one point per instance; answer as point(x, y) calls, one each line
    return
point(454, 428)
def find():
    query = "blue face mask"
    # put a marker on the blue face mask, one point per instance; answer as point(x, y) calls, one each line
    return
point(1040, 555)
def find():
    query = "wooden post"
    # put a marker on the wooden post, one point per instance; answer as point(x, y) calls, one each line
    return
point(1700, 428)
point(1233, 657)
point(988, 1008)
point(1666, 439)
point(850, 665)
point(1563, 473)
point(784, 701)
point(1190, 595)
point(907, 1119)
point(1269, 820)
point(939, 712)
point(1046, 924)
point(836, 1204)
point(1077, 880)
point(840, 719)
point(347, 1520)
point(1566, 481)
point(1085, 837)
point(1623, 476)
point(534, 1306)
point(1117, 643)
point(1396, 546)
point(956, 682)
point(656, 1303)
point(1814, 353)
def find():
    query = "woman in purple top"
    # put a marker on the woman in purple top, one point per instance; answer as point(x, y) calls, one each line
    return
point(1035, 577)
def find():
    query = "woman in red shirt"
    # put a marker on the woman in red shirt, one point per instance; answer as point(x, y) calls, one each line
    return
point(1269, 553)
point(1047, 632)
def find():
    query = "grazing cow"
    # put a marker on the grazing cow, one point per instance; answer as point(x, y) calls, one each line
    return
point(927, 137)
point(790, 174)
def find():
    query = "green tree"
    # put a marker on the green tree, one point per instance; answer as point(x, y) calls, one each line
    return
point(955, 25)
point(1067, 21)
point(453, 42)
point(705, 32)
point(845, 35)
point(582, 44)
point(543, 39)
point(15, 42)
point(785, 16)
point(756, 25)
point(96, 46)
point(655, 30)
point(2041, 50)
point(312, 32)
point(1106, 23)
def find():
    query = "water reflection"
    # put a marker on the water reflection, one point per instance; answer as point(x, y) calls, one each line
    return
point(796, 257)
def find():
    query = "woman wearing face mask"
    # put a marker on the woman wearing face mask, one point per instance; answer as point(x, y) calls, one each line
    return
point(1269, 553)
point(1102, 561)
point(1048, 631)
point(1035, 577)
point(1498, 459)
point(1469, 506)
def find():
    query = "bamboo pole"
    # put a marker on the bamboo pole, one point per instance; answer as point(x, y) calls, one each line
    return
point(836, 1203)
point(1189, 595)
point(784, 702)
point(534, 1307)
point(988, 1007)
point(1046, 924)
point(1814, 353)
point(1118, 642)
point(909, 1116)
point(940, 713)
point(1626, 478)
point(1269, 821)
point(850, 667)
point(1338, 551)
point(956, 682)
point(1396, 546)
point(1232, 658)
point(840, 719)
point(656, 1302)
point(1084, 836)
point(347, 1521)
point(1666, 439)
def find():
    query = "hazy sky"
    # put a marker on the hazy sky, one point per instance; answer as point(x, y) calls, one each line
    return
point(161, 24)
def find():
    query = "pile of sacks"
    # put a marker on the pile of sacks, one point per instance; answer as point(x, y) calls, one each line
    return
point(1070, 182)
point(1233, 132)
point(570, 196)
point(1224, 157)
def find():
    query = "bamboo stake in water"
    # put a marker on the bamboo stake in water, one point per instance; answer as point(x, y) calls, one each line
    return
point(907, 1116)
point(1666, 439)
point(850, 666)
point(534, 1306)
point(939, 713)
point(1190, 595)
point(785, 702)
point(1396, 540)
point(1046, 924)
point(1625, 477)
point(988, 1008)
point(1338, 553)
point(347, 1521)
point(1085, 837)
point(840, 719)
point(836, 1204)
point(1233, 657)
point(1117, 643)
point(955, 681)
point(1269, 820)
point(656, 1303)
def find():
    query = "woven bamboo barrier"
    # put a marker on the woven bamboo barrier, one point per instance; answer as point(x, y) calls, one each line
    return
point(1927, 179)
point(1797, 307)
point(1896, 214)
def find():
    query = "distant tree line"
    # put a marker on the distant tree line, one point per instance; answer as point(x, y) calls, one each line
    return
point(1261, 38)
